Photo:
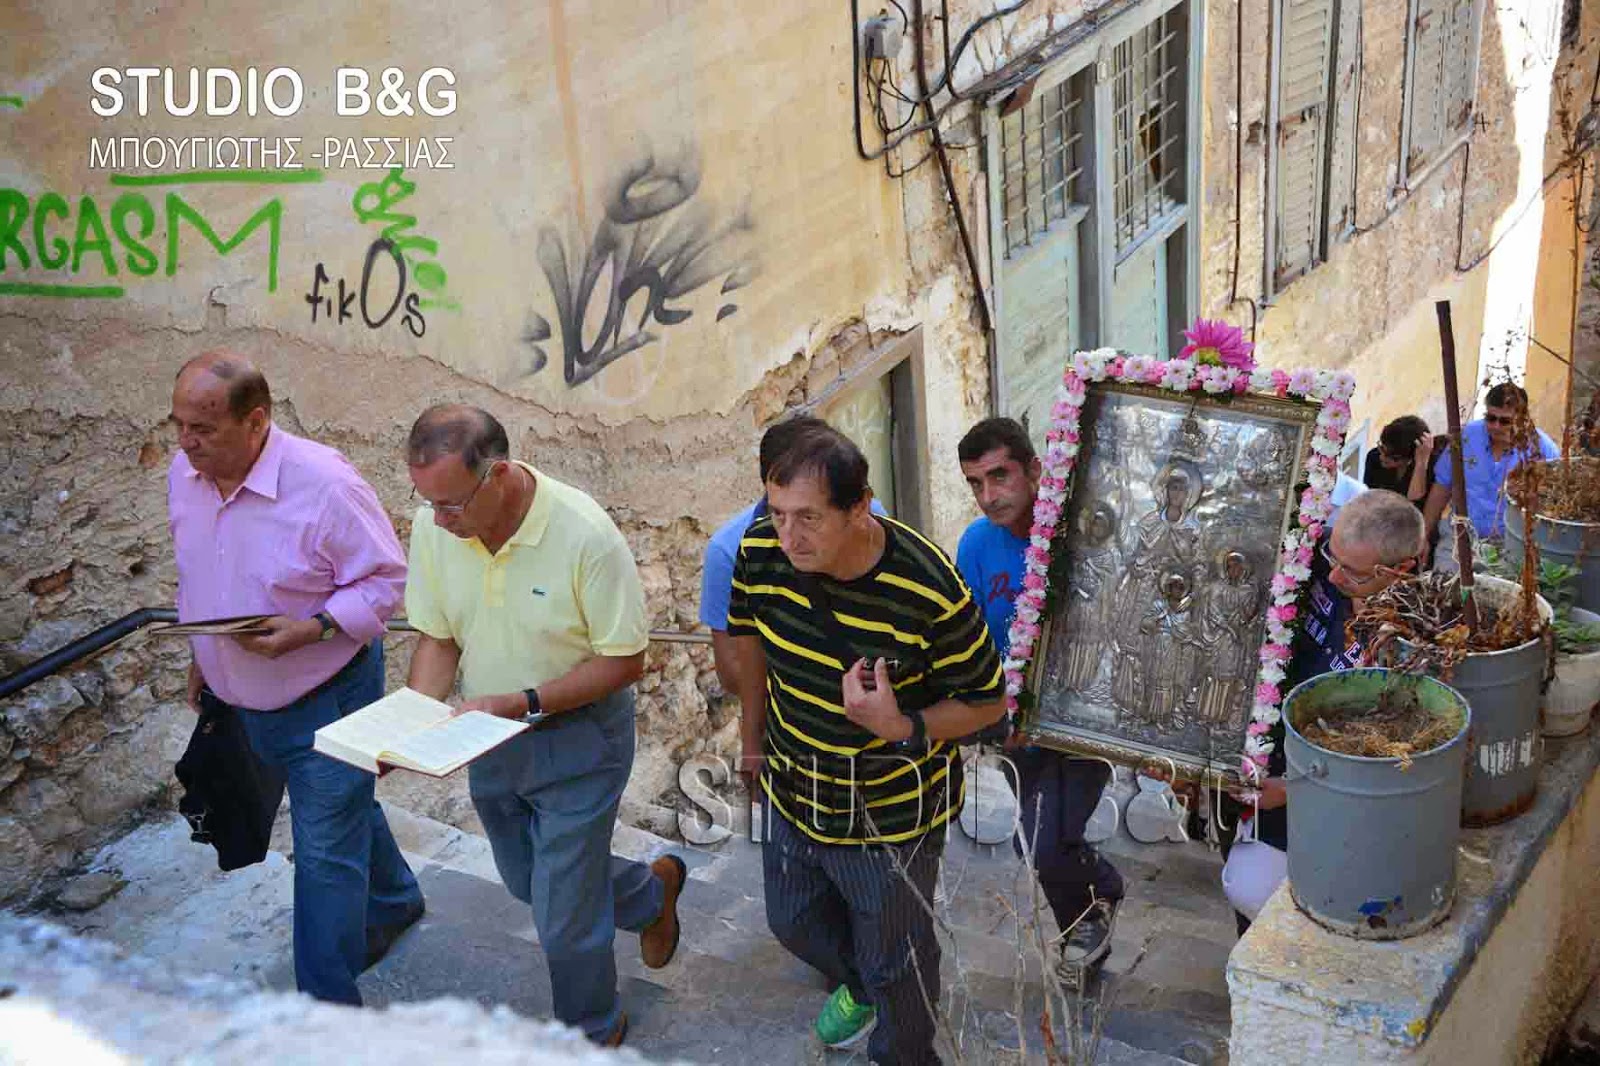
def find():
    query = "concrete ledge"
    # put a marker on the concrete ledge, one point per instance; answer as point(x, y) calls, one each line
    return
point(1490, 984)
point(66, 999)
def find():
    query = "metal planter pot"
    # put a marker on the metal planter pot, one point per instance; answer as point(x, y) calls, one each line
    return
point(1372, 842)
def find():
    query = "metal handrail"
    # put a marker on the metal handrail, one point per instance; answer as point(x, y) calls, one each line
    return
point(136, 621)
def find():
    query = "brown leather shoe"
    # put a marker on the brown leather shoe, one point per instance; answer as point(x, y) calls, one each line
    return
point(659, 941)
point(619, 1034)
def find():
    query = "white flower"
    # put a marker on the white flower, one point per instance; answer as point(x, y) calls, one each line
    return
point(1178, 375)
point(1322, 479)
point(1028, 612)
point(1068, 451)
point(1298, 572)
point(1343, 387)
point(1272, 673)
point(1261, 381)
point(1257, 746)
point(1042, 543)
point(1267, 715)
point(1014, 665)
point(1323, 446)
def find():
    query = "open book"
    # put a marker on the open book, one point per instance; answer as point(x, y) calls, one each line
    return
point(250, 623)
point(414, 732)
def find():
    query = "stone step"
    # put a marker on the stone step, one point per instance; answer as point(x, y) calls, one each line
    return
point(732, 988)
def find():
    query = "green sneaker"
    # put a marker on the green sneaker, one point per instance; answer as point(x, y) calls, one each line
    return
point(844, 1023)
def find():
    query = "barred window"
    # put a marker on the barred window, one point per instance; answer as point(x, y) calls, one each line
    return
point(1042, 162)
point(1148, 93)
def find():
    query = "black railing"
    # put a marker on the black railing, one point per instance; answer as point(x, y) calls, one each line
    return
point(129, 624)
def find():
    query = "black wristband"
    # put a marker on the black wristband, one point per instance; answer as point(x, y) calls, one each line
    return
point(533, 700)
point(919, 728)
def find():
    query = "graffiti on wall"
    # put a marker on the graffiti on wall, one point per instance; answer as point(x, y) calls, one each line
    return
point(658, 244)
point(130, 234)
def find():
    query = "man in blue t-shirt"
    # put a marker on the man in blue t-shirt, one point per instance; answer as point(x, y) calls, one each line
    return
point(1487, 456)
point(1057, 793)
point(716, 577)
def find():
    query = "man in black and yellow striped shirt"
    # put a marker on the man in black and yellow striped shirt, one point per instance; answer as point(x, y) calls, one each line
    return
point(862, 657)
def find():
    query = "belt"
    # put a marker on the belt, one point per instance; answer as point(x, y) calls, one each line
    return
point(355, 660)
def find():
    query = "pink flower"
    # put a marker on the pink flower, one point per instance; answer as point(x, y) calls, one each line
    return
point(1314, 530)
point(1283, 584)
point(1266, 693)
point(1275, 653)
point(1280, 381)
point(1062, 411)
point(1033, 581)
point(1116, 367)
point(1258, 729)
point(1217, 343)
point(1046, 514)
point(1070, 434)
point(1302, 382)
point(1241, 384)
point(1072, 381)
point(1037, 558)
point(1029, 632)
point(1285, 614)
point(1304, 554)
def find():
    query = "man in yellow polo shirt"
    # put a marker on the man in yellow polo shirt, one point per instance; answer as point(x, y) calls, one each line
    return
point(526, 587)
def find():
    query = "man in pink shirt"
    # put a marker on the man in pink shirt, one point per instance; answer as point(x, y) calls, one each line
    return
point(264, 522)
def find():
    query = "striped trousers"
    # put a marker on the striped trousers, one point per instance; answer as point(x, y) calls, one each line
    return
point(848, 911)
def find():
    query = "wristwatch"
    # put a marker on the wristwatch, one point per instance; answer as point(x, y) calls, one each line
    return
point(919, 730)
point(535, 709)
point(329, 626)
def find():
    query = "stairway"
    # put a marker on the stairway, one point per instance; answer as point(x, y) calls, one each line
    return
point(732, 995)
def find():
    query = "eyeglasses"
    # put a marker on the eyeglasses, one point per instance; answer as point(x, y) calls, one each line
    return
point(1499, 420)
point(456, 508)
point(1357, 577)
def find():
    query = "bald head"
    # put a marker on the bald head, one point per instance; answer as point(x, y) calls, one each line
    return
point(457, 429)
point(245, 386)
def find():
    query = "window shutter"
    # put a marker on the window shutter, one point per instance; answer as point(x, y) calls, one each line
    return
point(1342, 149)
point(1303, 67)
point(1429, 31)
point(1459, 66)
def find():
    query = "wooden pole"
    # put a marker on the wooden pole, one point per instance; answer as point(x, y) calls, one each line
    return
point(1452, 407)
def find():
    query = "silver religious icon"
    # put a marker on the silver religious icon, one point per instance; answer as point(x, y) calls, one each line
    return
point(1149, 652)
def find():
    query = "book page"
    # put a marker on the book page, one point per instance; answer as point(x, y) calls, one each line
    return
point(448, 746)
point(383, 724)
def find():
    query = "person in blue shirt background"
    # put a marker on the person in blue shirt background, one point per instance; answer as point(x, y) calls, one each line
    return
point(716, 578)
point(1057, 793)
point(1487, 456)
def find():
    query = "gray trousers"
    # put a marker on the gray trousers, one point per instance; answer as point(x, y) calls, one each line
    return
point(845, 910)
point(548, 801)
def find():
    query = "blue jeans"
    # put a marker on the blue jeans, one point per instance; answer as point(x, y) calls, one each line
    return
point(548, 801)
point(349, 876)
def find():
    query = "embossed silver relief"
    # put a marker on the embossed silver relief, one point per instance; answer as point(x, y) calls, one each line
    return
point(1175, 513)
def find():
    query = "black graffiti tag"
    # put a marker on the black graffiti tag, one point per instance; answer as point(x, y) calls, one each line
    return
point(656, 241)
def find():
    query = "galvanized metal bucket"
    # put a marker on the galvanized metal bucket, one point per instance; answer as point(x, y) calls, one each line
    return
point(1505, 690)
point(1574, 544)
point(1372, 842)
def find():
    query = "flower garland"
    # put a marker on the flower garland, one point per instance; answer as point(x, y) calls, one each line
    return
point(1216, 362)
